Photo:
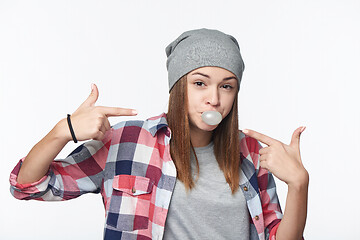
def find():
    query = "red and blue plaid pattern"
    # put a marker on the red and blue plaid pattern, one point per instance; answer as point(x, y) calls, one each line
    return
point(132, 169)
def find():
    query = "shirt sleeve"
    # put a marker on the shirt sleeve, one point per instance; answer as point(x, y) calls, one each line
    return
point(82, 171)
point(269, 199)
point(270, 204)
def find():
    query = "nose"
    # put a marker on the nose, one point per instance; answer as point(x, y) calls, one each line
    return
point(213, 97)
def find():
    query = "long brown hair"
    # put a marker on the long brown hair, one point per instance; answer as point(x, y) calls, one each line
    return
point(225, 138)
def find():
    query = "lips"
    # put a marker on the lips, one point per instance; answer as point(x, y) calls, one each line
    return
point(209, 110)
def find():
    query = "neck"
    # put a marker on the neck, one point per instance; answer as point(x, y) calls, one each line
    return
point(200, 138)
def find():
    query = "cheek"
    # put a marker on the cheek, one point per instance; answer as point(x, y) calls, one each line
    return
point(228, 105)
point(190, 103)
point(193, 101)
point(193, 106)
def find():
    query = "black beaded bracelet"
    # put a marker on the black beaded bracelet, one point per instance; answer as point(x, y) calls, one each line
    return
point(71, 129)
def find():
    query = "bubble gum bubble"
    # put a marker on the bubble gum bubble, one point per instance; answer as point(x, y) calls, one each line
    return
point(211, 117)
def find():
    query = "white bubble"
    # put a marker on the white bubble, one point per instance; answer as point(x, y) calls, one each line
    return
point(211, 117)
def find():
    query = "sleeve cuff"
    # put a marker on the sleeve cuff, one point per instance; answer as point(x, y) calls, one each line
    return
point(273, 231)
point(28, 188)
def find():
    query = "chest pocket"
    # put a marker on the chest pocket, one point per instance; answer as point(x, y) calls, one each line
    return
point(129, 208)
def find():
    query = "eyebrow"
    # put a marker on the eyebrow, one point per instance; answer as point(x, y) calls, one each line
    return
point(207, 76)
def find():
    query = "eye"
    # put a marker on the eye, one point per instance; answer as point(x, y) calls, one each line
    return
point(228, 86)
point(200, 84)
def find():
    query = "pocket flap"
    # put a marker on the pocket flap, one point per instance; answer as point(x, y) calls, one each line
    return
point(133, 185)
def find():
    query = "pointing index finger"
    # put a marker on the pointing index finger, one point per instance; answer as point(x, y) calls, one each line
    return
point(259, 136)
point(116, 111)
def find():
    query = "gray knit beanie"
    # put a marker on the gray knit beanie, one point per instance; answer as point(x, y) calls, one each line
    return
point(200, 48)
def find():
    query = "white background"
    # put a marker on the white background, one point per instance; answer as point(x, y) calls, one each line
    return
point(302, 63)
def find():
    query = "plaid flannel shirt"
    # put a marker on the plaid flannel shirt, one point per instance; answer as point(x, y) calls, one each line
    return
point(132, 169)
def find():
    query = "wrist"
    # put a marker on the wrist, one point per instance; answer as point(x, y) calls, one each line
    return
point(62, 131)
point(301, 181)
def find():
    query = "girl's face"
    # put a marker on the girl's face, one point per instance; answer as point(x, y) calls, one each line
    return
point(210, 88)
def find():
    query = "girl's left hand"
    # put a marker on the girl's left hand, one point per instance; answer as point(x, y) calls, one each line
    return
point(282, 160)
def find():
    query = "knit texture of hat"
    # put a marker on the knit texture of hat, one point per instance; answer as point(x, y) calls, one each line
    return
point(201, 48)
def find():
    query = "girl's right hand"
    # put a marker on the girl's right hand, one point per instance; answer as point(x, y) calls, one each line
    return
point(91, 122)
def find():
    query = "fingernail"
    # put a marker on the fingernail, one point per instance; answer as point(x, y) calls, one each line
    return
point(92, 87)
point(245, 131)
point(302, 129)
point(134, 112)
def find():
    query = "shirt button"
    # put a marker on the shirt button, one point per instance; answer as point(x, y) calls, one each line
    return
point(256, 217)
point(133, 190)
point(245, 188)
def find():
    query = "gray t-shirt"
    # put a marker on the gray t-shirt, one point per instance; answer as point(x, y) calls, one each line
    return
point(208, 211)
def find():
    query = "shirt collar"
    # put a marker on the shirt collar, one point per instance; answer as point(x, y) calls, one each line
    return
point(154, 124)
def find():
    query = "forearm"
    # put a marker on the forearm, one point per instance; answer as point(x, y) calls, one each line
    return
point(38, 160)
point(293, 222)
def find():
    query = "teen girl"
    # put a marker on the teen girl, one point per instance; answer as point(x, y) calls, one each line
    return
point(176, 175)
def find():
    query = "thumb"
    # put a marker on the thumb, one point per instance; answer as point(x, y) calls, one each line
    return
point(295, 139)
point(92, 98)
